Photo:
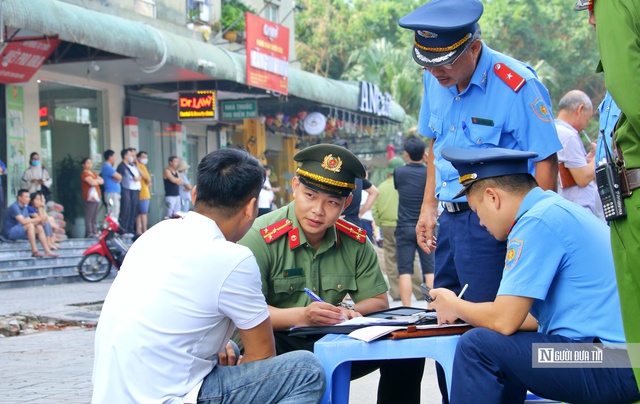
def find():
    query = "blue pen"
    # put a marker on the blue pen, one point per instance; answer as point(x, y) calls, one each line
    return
point(313, 295)
point(317, 298)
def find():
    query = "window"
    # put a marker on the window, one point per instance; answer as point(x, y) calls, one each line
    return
point(198, 10)
point(271, 12)
point(145, 7)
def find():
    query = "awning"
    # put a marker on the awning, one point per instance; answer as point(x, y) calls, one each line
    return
point(153, 46)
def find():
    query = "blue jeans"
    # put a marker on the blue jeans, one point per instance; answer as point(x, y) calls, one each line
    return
point(295, 377)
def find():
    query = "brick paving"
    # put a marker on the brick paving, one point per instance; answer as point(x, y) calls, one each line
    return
point(55, 366)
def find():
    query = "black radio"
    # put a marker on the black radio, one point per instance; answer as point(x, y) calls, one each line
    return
point(609, 190)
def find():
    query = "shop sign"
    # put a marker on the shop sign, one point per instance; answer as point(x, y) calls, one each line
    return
point(197, 105)
point(374, 101)
point(43, 113)
point(234, 110)
point(22, 59)
point(267, 54)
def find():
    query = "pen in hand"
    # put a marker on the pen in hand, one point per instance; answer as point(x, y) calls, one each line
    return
point(464, 288)
point(316, 298)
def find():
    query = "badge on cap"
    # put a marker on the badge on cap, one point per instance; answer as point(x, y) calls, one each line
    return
point(427, 34)
point(333, 164)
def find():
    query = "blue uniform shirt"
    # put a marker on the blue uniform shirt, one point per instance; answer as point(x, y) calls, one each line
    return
point(559, 254)
point(609, 114)
point(110, 186)
point(488, 113)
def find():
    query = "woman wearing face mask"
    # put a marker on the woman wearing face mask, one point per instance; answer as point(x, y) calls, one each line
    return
point(145, 193)
point(36, 176)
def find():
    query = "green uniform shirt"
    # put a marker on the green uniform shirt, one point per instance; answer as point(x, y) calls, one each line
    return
point(337, 268)
point(618, 34)
point(385, 208)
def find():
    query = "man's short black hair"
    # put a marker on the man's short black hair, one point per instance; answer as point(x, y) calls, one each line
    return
point(516, 183)
point(21, 191)
point(141, 152)
point(414, 146)
point(171, 158)
point(107, 154)
point(227, 179)
point(124, 152)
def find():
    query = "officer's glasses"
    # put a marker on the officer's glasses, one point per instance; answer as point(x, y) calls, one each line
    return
point(449, 66)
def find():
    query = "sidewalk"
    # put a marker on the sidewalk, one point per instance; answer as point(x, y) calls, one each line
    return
point(56, 366)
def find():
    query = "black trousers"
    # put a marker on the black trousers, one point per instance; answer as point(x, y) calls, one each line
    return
point(399, 378)
point(129, 201)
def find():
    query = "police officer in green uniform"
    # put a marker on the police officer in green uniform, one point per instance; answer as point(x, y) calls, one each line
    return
point(305, 244)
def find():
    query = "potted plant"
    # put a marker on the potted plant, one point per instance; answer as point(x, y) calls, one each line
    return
point(194, 16)
point(232, 18)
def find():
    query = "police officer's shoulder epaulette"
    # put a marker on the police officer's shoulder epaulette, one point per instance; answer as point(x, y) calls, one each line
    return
point(513, 79)
point(351, 230)
point(275, 231)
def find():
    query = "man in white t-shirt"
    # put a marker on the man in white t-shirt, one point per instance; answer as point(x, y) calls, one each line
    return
point(185, 285)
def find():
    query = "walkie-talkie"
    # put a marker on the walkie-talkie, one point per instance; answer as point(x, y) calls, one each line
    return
point(609, 187)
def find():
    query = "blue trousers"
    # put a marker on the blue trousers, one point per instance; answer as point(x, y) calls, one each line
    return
point(468, 254)
point(498, 368)
point(295, 377)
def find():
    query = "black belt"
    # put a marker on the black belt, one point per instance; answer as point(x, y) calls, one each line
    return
point(453, 207)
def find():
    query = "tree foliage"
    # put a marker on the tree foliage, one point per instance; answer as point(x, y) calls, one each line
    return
point(361, 40)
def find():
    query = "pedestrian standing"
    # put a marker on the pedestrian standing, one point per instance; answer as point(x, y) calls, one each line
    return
point(145, 193)
point(112, 180)
point(90, 183)
point(410, 181)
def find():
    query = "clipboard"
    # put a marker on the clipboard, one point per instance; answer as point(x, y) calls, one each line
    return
point(393, 315)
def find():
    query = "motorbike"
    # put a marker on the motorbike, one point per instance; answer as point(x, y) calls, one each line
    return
point(107, 252)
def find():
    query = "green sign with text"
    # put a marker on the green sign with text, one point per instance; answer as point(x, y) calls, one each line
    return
point(234, 110)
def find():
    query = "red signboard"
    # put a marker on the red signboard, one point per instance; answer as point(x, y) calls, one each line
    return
point(197, 105)
point(22, 59)
point(267, 54)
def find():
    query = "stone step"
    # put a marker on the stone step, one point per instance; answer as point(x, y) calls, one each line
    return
point(19, 269)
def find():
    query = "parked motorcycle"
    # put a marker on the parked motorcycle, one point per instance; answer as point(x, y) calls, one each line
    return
point(109, 251)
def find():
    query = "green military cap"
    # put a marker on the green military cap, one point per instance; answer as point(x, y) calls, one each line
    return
point(329, 168)
point(393, 163)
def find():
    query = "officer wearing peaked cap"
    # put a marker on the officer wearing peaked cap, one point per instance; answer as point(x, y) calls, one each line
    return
point(558, 270)
point(305, 244)
point(474, 98)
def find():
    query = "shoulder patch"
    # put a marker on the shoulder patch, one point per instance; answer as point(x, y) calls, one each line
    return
point(513, 79)
point(514, 249)
point(351, 230)
point(275, 231)
point(540, 108)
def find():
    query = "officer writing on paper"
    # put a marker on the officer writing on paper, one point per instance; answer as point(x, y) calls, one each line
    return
point(559, 270)
point(305, 244)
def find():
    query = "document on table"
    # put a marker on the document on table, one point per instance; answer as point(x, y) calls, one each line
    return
point(368, 334)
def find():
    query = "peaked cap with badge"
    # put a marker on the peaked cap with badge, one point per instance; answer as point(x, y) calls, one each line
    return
point(583, 5)
point(329, 168)
point(477, 164)
point(443, 30)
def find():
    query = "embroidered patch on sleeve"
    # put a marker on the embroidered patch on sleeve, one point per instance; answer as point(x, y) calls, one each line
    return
point(514, 249)
point(541, 110)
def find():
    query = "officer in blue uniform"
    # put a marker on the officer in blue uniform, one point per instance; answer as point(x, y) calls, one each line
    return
point(558, 270)
point(474, 98)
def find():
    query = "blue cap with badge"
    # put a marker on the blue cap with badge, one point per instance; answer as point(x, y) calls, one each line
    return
point(443, 30)
point(477, 164)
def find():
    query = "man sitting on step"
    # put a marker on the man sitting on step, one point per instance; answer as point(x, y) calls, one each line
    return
point(18, 225)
